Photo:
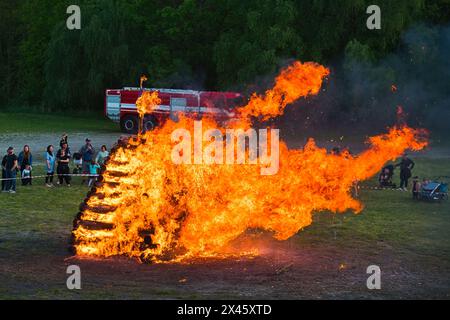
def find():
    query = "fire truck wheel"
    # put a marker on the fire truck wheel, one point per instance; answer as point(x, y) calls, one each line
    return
point(129, 124)
point(150, 123)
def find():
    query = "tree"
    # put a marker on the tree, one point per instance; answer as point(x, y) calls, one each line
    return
point(257, 36)
point(9, 39)
point(37, 20)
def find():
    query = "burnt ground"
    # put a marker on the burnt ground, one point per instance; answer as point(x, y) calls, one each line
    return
point(289, 272)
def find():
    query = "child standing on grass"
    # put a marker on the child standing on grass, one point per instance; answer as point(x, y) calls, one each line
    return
point(26, 175)
point(93, 171)
point(50, 161)
point(25, 159)
point(78, 162)
point(415, 188)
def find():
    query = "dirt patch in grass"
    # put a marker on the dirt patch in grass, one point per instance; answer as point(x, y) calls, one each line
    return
point(289, 271)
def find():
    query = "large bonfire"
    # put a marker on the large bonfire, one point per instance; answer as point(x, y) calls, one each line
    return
point(146, 206)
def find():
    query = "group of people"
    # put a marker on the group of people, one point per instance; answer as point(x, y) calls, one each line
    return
point(87, 162)
point(12, 164)
point(406, 165)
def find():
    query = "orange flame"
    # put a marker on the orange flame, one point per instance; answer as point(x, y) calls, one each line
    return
point(147, 102)
point(142, 79)
point(152, 209)
point(296, 81)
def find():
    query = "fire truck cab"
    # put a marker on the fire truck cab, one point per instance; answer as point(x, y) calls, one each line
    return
point(120, 106)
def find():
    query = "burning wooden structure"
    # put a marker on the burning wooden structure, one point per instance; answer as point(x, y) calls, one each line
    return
point(147, 207)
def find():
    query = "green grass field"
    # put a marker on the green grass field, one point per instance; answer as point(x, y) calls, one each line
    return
point(40, 123)
point(409, 240)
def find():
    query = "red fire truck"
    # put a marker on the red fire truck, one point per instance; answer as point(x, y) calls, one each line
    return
point(120, 106)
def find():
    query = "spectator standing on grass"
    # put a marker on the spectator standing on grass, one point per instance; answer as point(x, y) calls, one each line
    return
point(11, 167)
point(93, 171)
point(102, 155)
point(3, 173)
point(87, 152)
point(78, 162)
point(416, 188)
point(25, 159)
point(62, 169)
point(50, 160)
point(406, 165)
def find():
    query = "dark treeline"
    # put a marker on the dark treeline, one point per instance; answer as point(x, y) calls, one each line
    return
point(203, 44)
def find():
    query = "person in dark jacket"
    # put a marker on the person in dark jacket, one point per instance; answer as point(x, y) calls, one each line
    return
point(25, 159)
point(4, 173)
point(62, 168)
point(406, 165)
point(11, 165)
point(87, 153)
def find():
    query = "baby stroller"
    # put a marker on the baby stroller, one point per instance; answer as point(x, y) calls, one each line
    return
point(433, 191)
point(78, 162)
point(385, 178)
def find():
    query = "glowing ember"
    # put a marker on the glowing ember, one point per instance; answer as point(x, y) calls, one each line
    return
point(146, 206)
